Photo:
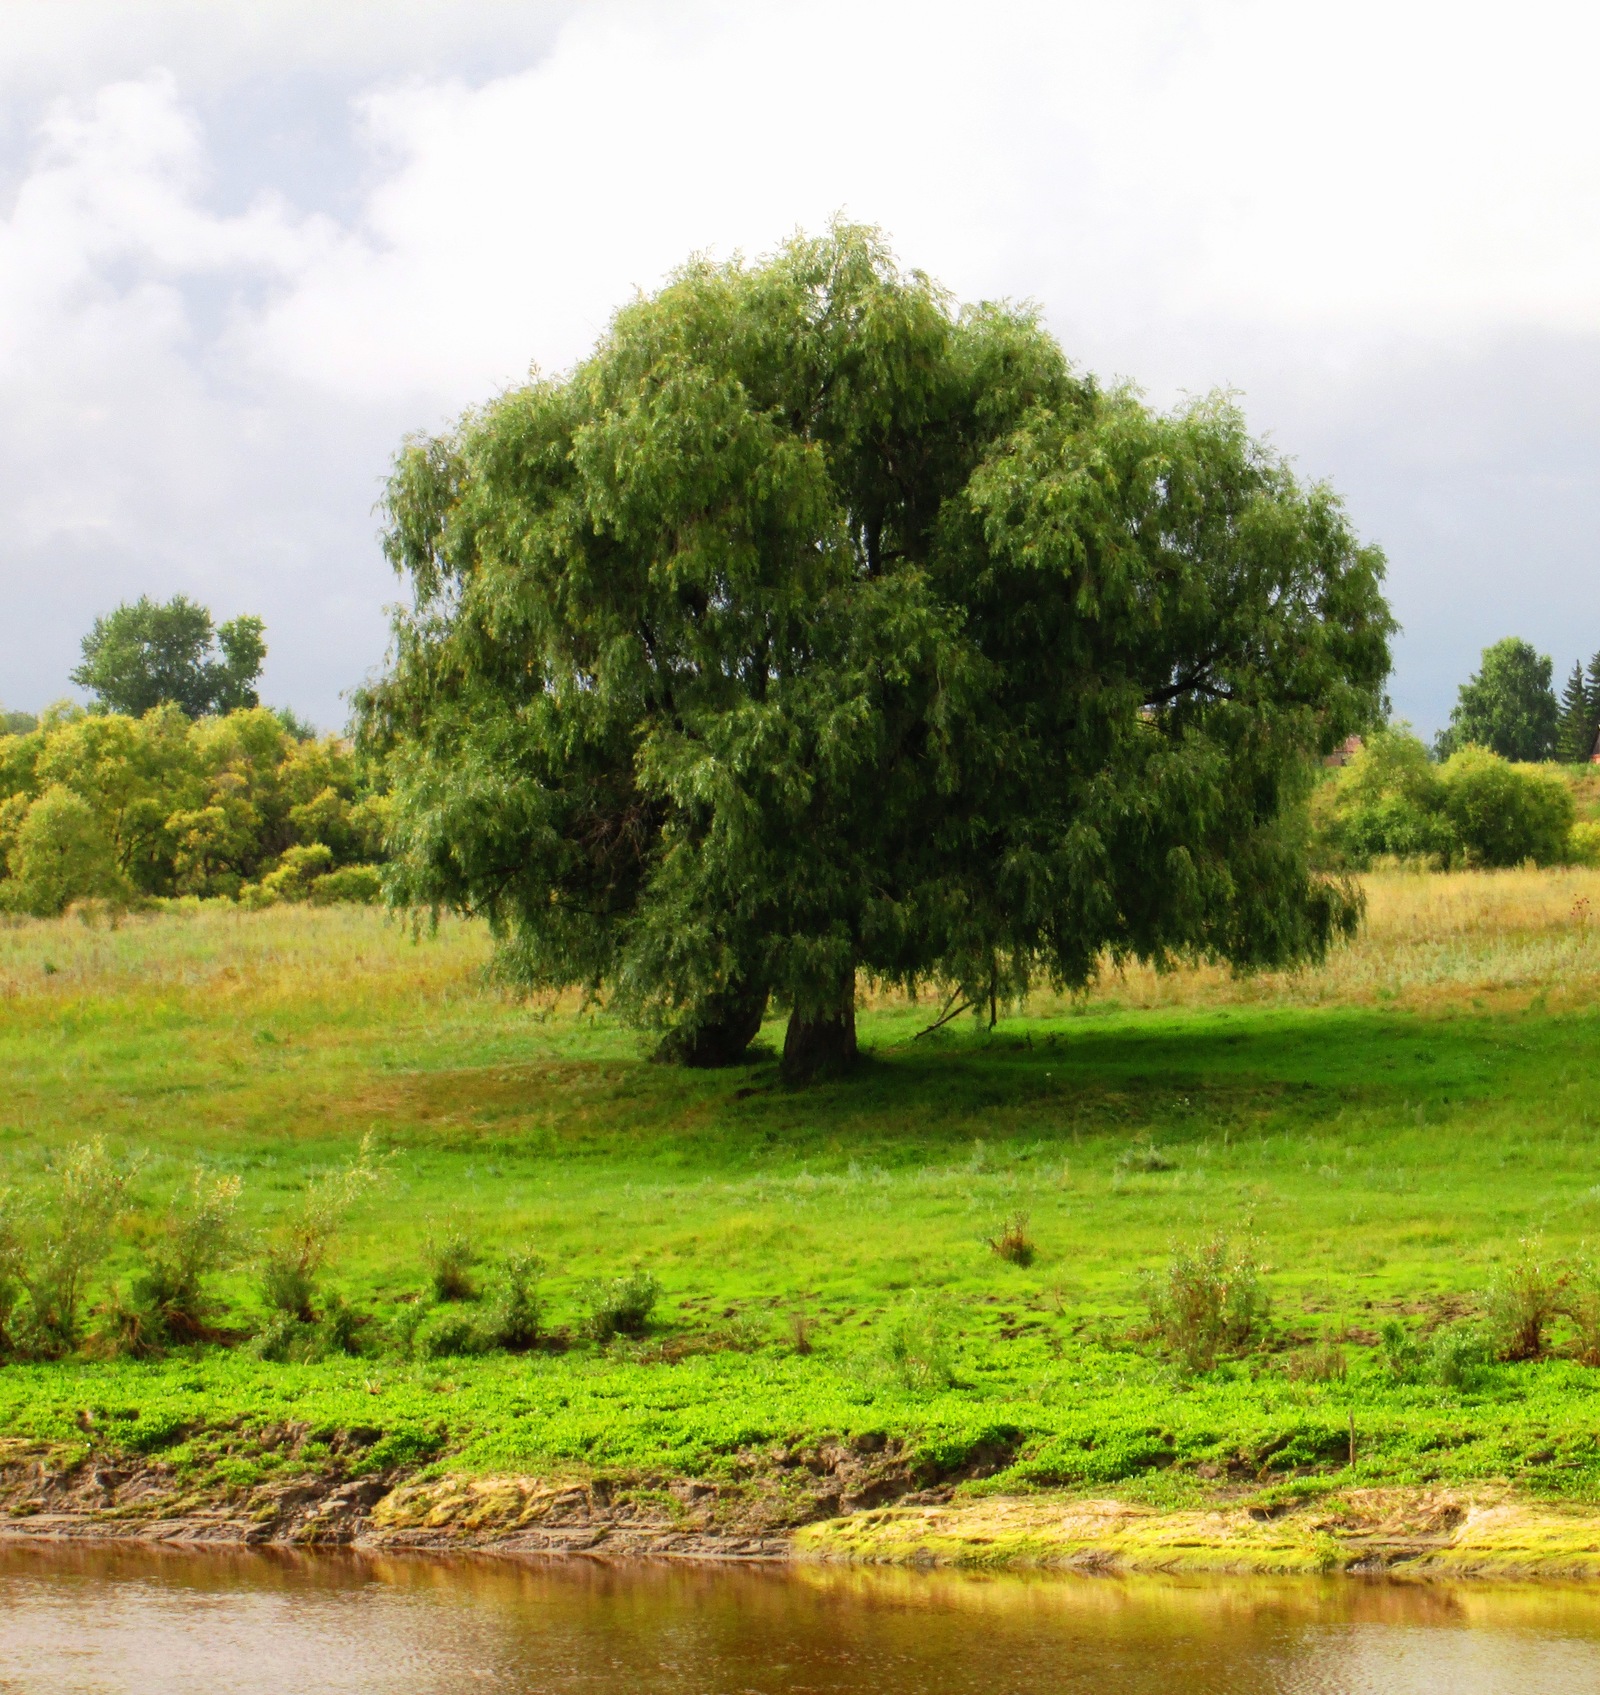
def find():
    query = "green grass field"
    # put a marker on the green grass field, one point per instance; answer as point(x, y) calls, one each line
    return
point(1387, 1128)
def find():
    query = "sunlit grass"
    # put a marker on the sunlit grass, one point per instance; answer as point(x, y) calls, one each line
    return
point(1388, 1126)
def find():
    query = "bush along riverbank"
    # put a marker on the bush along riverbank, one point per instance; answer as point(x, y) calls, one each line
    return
point(1210, 1431)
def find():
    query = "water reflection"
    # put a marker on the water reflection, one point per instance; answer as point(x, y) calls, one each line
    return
point(129, 1621)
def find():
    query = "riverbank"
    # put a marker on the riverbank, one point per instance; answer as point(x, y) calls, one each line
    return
point(1492, 1532)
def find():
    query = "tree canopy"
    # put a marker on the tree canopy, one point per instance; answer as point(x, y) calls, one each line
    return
point(1507, 706)
point(814, 628)
point(101, 806)
point(147, 655)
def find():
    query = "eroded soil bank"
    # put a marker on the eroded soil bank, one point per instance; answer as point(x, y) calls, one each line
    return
point(834, 1504)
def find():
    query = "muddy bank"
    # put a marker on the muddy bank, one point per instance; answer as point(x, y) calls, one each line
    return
point(830, 1504)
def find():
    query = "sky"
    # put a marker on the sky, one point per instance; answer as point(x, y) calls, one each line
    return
point(246, 248)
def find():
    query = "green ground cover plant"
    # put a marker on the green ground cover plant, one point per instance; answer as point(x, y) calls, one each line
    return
point(1396, 1152)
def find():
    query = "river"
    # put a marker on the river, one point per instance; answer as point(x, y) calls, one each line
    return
point(130, 1620)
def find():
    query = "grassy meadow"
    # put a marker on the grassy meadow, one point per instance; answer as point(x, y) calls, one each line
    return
point(1387, 1128)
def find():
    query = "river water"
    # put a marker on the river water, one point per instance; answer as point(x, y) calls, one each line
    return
point(112, 1620)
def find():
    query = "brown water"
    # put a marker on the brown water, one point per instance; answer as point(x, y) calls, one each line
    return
point(135, 1620)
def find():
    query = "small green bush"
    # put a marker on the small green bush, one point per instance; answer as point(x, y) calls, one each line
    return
point(1210, 1302)
point(359, 885)
point(197, 1238)
point(1580, 1302)
point(917, 1343)
point(62, 853)
point(1455, 1357)
point(1399, 1350)
point(513, 1311)
point(285, 1338)
point(450, 1253)
point(296, 1258)
point(1502, 814)
point(50, 1244)
point(1145, 1158)
point(1520, 1304)
point(1389, 801)
point(444, 1334)
point(1323, 1362)
point(620, 1306)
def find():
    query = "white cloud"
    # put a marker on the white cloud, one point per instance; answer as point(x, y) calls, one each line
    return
point(1340, 208)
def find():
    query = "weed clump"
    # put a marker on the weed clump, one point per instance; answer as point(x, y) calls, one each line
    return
point(450, 1254)
point(1210, 1302)
point(918, 1343)
point(620, 1306)
point(1581, 1304)
point(1144, 1156)
point(1399, 1351)
point(1521, 1303)
point(444, 1334)
point(513, 1314)
point(1014, 1245)
point(299, 1255)
point(49, 1246)
point(169, 1306)
point(1323, 1362)
point(1455, 1357)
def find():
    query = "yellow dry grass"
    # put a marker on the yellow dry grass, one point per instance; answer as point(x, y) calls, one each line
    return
point(1431, 940)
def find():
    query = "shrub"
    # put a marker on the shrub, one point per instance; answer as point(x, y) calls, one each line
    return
point(443, 1335)
point(1210, 1302)
point(450, 1254)
point(1583, 843)
point(292, 878)
point(620, 1306)
point(1389, 800)
point(284, 1338)
point(1455, 1357)
point(1323, 1362)
point(1013, 1244)
point(1402, 1357)
point(298, 1256)
point(360, 885)
point(1502, 815)
point(1520, 1303)
point(50, 1244)
point(512, 1315)
point(61, 853)
point(198, 1237)
point(1580, 1302)
point(917, 1343)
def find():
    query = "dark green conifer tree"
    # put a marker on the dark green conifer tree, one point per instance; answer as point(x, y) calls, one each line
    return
point(1576, 727)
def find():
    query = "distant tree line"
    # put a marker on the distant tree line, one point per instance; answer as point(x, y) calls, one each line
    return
point(176, 781)
point(1509, 706)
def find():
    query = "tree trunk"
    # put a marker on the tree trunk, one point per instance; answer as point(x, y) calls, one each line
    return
point(718, 1031)
point(820, 1044)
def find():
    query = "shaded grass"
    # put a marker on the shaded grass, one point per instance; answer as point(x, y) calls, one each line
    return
point(1389, 1128)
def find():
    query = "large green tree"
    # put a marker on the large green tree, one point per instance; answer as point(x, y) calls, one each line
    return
point(146, 654)
point(814, 628)
point(1507, 706)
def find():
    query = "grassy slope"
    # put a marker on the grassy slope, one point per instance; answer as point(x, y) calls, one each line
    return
point(1389, 1126)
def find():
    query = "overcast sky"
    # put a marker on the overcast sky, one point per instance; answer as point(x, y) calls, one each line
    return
point(244, 248)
